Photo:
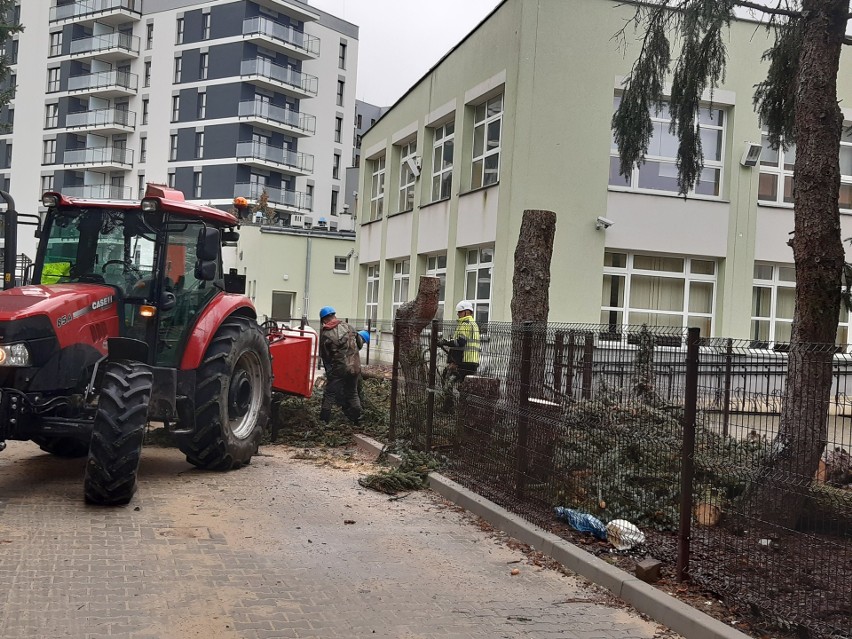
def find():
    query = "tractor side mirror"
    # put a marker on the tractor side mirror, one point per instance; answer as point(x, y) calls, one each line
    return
point(205, 270)
point(230, 238)
point(208, 244)
point(167, 301)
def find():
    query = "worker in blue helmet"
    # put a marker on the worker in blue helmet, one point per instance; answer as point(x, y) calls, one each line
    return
point(339, 344)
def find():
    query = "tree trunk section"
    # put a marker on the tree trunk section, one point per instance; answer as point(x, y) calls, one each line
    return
point(412, 318)
point(531, 296)
point(779, 493)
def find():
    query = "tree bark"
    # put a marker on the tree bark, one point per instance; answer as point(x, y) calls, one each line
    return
point(413, 317)
point(531, 295)
point(780, 491)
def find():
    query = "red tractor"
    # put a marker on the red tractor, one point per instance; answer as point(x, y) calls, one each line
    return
point(131, 319)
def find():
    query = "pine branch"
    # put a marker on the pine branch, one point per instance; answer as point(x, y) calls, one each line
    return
point(776, 11)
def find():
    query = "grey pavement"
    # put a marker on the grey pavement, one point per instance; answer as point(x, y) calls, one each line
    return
point(265, 552)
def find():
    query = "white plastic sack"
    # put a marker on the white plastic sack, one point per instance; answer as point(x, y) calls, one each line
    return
point(624, 535)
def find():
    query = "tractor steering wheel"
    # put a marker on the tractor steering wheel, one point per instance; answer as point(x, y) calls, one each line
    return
point(128, 268)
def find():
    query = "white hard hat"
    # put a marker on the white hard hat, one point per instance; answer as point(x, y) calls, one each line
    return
point(464, 305)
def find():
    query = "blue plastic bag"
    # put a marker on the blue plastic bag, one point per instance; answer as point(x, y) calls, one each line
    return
point(582, 522)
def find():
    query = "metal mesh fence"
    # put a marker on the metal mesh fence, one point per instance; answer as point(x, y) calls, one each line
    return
point(715, 461)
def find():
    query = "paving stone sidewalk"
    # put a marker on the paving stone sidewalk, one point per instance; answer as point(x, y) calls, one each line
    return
point(265, 551)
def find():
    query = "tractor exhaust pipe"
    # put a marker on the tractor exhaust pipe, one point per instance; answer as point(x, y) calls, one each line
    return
point(10, 248)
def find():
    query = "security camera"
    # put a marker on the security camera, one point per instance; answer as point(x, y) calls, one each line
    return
point(603, 223)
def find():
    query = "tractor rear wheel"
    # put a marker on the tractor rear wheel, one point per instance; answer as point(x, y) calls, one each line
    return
point(117, 433)
point(62, 446)
point(232, 397)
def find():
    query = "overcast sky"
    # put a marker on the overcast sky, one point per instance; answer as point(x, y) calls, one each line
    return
point(400, 40)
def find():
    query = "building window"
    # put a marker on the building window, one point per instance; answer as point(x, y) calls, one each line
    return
point(56, 43)
point(436, 266)
point(178, 69)
point(658, 172)
point(335, 167)
point(146, 74)
point(309, 197)
point(7, 164)
point(373, 284)
point(175, 108)
point(487, 125)
point(201, 110)
point(53, 80)
point(199, 145)
point(773, 299)
point(407, 157)
point(442, 161)
point(477, 282)
point(203, 65)
point(170, 180)
point(173, 147)
point(341, 56)
point(377, 189)
point(334, 196)
point(46, 183)
point(338, 129)
point(149, 35)
point(205, 26)
point(358, 120)
point(196, 184)
point(658, 290)
point(140, 185)
point(145, 111)
point(143, 149)
point(49, 154)
point(51, 116)
point(401, 277)
point(180, 31)
point(341, 264)
point(341, 89)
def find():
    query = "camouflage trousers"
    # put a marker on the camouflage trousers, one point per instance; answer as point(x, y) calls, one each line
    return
point(341, 390)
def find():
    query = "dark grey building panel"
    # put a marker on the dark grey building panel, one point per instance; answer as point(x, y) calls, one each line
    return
point(226, 20)
point(218, 182)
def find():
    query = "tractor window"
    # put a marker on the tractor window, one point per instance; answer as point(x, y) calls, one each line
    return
point(105, 246)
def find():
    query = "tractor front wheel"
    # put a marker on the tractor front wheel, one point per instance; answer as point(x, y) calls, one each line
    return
point(117, 433)
point(232, 397)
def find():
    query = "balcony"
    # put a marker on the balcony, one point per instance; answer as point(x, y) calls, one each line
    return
point(263, 73)
point(107, 121)
point(279, 37)
point(279, 199)
point(277, 118)
point(99, 192)
point(108, 157)
point(110, 46)
point(107, 84)
point(110, 12)
point(266, 156)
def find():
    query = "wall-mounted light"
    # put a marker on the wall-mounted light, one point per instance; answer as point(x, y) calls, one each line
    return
point(751, 155)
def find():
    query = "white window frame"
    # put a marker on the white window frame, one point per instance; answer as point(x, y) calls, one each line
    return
point(486, 114)
point(199, 145)
point(145, 111)
point(143, 150)
point(149, 35)
point(407, 151)
point(197, 184)
point(175, 108)
point(341, 92)
point(180, 30)
point(377, 188)
point(178, 69)
point(374, 283)
point(778, 281)
point(205, 26)
point(54, 80)
point(173, 147)
point(436, 266)
point(629, 271)
point(338, 260)
point(401, 284)
point(203, 66)
point(201, 105)
point(476, 261)
point(338, 129)
point(47, 183)
point(335, 166)
point(708, 121)
point(55, 43)
point(442, 174)
point(146, 74)
point(48, 155)
point(341, 56)
point(51, 116)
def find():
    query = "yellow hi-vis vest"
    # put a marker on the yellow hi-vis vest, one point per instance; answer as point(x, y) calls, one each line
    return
point(50, 273)
point(468, 329)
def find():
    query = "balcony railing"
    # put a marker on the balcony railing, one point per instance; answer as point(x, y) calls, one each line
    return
point(263, 26)
point(92, 7)
point(99, 192)
point(277, 197)
point(106, 42)
point(275, 155)
point(99, 155)
point(101, 118)
point(280, 74)
point(286, 117)
point(103, 79)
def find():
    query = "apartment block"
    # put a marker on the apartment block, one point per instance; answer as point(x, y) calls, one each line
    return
point(517, 116)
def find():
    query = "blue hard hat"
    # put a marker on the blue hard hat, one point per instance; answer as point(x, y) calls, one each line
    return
point(365, 335)
point(325, 311)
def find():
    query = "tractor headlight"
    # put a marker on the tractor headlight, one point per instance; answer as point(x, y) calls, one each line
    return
point(14, 355)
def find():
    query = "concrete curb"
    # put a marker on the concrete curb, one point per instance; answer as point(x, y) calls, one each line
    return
point(680, 617)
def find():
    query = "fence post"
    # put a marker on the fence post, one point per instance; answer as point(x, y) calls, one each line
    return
point(569, 382)
point(588, 356)
point(523, 405)
point(370, 333)
point(430, 384)
point(726, 407)
point(687, 464)
point(394, 398)
point(558, 361)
